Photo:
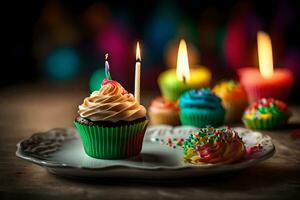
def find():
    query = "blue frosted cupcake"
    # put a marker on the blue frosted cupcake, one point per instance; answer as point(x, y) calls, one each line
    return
point(201, 108)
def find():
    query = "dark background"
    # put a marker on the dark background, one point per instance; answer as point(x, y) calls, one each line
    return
point(60, 41)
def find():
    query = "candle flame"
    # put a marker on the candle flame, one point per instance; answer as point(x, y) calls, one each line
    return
point(265, 56)
point(138, 52)
point(182, 70)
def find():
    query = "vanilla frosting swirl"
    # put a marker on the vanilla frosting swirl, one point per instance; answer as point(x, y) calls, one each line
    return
point(111, 103)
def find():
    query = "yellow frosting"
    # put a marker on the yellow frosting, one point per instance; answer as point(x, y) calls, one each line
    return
point(230, 91)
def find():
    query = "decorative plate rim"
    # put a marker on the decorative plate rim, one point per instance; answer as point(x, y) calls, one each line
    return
point(226, 167)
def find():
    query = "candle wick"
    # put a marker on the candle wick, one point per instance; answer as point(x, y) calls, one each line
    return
point(106, 56)
point(184, 79)
point(138, 60)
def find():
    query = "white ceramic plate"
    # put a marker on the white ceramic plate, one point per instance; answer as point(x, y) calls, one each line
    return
point(61, 152)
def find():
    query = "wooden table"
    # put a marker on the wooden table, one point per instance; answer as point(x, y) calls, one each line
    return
point(39, 107)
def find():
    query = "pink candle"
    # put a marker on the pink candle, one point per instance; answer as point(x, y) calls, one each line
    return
point(278, 86)
point(265, 81)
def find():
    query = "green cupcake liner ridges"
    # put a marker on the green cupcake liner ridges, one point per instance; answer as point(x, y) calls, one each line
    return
point(202, 119)
point(112, 142)
point(264, 124)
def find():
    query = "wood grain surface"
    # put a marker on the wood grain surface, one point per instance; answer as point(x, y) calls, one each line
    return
point(34, 108)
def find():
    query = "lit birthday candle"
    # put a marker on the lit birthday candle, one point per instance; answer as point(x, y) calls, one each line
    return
point(183, 68)
point(266, 82)
point(265, 55)
point(137, 73)
point(174, 82)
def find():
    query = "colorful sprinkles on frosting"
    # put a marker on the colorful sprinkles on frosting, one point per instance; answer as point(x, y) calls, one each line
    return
point(265, 108)
point(208, 141)
point(210, 144)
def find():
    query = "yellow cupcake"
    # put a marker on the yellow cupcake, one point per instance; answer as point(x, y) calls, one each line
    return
point(234, 99)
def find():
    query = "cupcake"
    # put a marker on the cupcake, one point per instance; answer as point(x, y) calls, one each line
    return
point(162, 111)
point(172, 88)
point(262, 87)
point(111, 123)
point(215, 146)
point(266, 113)
point(234, 99)
point(201, 108)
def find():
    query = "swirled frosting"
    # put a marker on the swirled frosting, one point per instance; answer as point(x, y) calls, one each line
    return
point(266, 108)
point(160, 103)
point(200, 99)
point(111, 103)
point(210, 145)
point(230, 91)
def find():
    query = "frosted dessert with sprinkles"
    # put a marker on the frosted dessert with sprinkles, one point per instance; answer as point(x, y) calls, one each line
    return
point(214, 146)
point(201, 108)
point(234, 99)
point(266, 113)
point(163, 111)
point(111, 122)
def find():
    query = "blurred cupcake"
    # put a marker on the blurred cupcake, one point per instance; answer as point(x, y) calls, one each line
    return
point(162, 111)
point(201, 108)
point(172, 88)
point(266, 113)
point(234, 99)
point(111, 123)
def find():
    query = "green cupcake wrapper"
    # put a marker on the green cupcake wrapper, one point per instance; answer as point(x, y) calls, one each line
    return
point(264, 124)
point(112, 142)
point(202, 119)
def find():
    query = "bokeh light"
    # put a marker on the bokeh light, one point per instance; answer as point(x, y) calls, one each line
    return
point(115, 40)
point(61, 40)
point(240, 38)
point(96, 79)
point(160, 30)
point(62, 64)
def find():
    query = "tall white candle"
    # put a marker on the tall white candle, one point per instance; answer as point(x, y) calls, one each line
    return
point(137, 73)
